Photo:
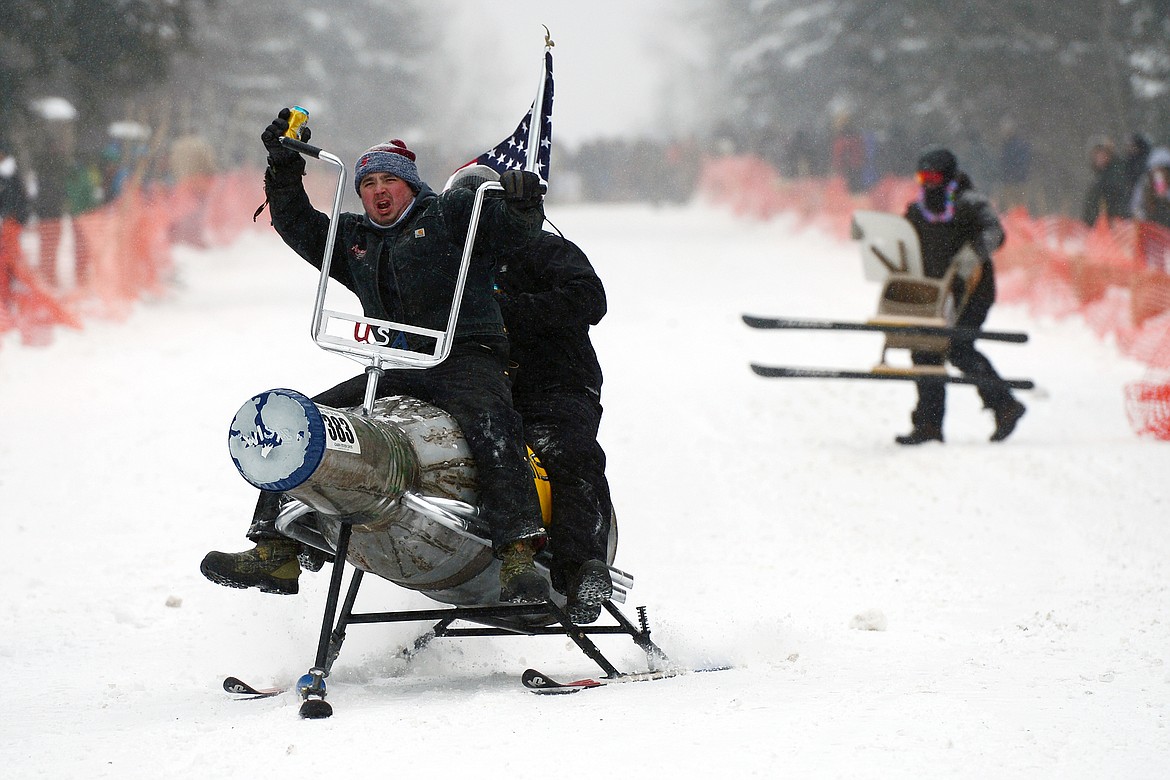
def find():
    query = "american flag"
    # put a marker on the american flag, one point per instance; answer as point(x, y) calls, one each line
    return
point(513, 152)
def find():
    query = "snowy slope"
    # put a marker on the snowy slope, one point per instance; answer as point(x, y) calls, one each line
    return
point(1023, 585)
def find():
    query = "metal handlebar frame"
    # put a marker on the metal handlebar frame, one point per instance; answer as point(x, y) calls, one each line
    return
point(375, 356)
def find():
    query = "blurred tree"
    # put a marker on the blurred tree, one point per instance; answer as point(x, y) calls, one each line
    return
point(358, 66)
point(91, 52)
point(914, 70)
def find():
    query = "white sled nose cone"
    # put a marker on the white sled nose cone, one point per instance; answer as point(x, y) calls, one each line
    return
point(277, 439)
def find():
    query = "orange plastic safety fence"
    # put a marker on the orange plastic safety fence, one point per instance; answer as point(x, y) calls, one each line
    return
point(1147, 404)
point(120, 252)
point(28, 306)
point(9, 254)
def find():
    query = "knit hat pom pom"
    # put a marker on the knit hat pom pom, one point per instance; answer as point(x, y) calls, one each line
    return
point(392, 157)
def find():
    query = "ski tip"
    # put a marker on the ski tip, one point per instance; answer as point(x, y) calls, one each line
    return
point(539, 682)
point(236, 685)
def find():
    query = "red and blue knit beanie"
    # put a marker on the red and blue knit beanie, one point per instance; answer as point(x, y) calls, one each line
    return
point(391, 157)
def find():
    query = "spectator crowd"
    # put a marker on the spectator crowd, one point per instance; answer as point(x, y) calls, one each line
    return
point(50, 177)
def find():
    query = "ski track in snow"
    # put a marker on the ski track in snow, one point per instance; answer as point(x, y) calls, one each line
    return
point(1022, 586)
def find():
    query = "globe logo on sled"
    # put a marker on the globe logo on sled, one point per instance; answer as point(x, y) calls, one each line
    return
point(277, 439)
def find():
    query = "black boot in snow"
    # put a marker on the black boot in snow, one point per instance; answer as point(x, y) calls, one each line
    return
point(590, 589)
point(271, 566)
point(1006, 418)
point(920, 436)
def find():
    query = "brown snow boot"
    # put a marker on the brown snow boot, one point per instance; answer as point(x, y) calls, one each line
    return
point(520, 582)
point(271, 566)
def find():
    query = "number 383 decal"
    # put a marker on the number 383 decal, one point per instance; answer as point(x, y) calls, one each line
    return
point(339, 433)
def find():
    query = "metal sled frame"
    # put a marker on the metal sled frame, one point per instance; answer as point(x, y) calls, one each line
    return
point(493, 620)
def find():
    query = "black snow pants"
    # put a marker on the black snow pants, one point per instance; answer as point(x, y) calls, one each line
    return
point(561, 428)
point(932, 394)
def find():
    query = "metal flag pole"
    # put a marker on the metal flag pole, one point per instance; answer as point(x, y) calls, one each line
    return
point(532, 153)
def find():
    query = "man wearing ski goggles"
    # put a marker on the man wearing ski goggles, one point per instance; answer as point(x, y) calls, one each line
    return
point(947, 216)
point(931, 178)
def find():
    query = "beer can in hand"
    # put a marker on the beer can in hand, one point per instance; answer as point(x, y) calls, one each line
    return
point(297, 118)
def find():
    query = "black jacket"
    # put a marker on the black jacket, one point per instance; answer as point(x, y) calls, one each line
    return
point(974, 222)
point(550, 295)
point(406, 273)
point(1109, 191)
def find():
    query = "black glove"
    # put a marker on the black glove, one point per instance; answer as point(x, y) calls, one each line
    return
point(278, 155)
point(521, 186)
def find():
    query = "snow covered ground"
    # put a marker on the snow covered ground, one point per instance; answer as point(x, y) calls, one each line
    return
point(1022, 587)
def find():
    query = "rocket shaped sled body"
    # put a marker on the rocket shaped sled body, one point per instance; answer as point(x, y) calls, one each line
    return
point(403, 477)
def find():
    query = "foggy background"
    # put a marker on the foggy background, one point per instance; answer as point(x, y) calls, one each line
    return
point(643, 90)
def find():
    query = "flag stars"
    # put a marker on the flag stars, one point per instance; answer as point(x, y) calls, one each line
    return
point(515, 152)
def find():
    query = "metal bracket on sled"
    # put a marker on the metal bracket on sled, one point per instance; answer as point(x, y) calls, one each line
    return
point(458, 516)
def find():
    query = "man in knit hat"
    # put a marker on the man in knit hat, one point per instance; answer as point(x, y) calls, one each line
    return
point(400, 258)
point(948, 215)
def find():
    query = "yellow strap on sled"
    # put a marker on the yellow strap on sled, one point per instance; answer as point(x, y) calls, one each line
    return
point(543, 488)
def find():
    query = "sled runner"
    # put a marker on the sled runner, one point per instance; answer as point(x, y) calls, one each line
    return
point(389, 488)
point(915, 312)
